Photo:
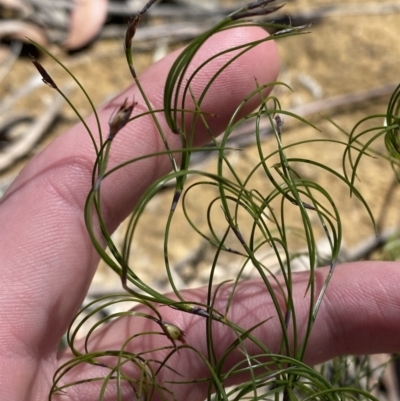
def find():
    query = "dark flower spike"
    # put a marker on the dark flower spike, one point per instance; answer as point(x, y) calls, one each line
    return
point(46, 78)
point(121, 118)
point(131, 31)
point(257, 8)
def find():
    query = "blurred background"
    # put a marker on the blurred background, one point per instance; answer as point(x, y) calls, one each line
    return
point(345, 68)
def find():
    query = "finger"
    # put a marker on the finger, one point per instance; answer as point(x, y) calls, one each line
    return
point(48, 257)
point(87, 19)
point(359, 315)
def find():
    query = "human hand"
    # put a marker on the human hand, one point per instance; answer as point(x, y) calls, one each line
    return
point(47, 260)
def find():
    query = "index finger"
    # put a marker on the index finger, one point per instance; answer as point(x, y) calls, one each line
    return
point(48, 257)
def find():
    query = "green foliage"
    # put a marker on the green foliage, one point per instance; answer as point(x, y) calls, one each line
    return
point(270, 375)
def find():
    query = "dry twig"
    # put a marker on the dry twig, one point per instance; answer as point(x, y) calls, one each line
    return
point(24, 144)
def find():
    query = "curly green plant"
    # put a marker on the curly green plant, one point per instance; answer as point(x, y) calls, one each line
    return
point(287, 210)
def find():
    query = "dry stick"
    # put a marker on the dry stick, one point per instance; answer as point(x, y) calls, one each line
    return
point(13, 54)
point(10, 126)
point(26, 142)
point(347, 10)
point(20, 30)
point(210, 6)
point(51, 4)
point(244, 135)
point(27, 87)
point(388, 377)
point(388, 198)
point(364, 248)
point(49, 20)
point(16, 7)
point(168, 11)
point(181, 31)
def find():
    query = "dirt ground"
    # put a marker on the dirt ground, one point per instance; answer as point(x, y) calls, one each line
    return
point(352, 49)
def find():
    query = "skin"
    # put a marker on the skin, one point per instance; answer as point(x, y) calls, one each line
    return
point(47, 260)
point(87, 19)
